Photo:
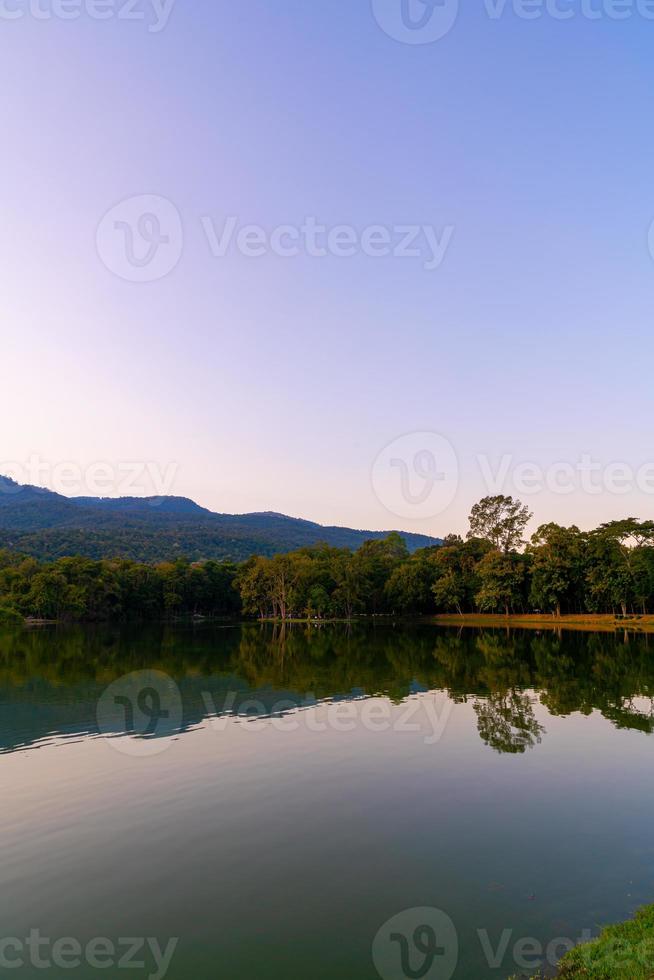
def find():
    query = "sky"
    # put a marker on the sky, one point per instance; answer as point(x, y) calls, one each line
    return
point(172, 321)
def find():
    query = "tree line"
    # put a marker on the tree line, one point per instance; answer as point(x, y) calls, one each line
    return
point(560, 570)
point(85, 589)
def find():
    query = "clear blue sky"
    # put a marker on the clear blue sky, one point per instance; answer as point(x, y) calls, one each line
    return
point(274, 382)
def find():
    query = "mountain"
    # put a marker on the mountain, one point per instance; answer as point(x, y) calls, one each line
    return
point(48, 525)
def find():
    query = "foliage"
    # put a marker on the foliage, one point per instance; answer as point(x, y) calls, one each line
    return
point(558, 555)
point(500, 520)
point(10, 617)
point(502, 579)
point(48, 526)
point(82, 589)
point(562, 570)
point(622, 952)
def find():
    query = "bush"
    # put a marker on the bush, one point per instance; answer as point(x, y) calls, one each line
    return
point(9, 617)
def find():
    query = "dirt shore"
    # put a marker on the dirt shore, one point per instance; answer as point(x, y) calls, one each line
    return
point(585, 621)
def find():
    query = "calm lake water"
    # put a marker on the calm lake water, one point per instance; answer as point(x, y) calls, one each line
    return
point(321, 802)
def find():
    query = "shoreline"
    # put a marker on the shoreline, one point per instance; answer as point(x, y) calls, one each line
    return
point(590, 622)
point(621, 951)
point(585, 622)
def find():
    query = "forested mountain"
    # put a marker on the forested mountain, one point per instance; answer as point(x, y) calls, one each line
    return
point(47, 525)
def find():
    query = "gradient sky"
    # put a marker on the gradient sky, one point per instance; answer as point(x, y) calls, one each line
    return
point(273, 383)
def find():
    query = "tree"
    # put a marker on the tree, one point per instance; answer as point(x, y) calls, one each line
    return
point(449, 591)
point(609, 576)
point(408, 589)
point(557, 567)
point(640, 532)
point(629, 543)
point(346, 597)
point(254, 586)
point(317, 602)
point(373, 564)
point(50, 596)
point(457, 579)
point(502, 579)
point(500, 520)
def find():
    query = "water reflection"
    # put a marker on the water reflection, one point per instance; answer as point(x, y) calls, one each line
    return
point(51, 680)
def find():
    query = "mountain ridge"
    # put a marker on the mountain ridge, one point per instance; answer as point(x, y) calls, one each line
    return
point(48, 525)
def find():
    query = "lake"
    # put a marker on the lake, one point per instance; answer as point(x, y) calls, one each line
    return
point(321, 801)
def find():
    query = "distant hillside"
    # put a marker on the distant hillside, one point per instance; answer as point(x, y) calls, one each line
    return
point(48, 525)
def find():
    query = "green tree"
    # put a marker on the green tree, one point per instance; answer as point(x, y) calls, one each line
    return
point(557, 572)
point(409, 587)
point(502, 578)
point(500, 520)
point(449, 591)
point(609, 575)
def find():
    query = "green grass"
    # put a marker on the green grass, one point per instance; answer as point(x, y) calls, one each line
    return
point(622, 952)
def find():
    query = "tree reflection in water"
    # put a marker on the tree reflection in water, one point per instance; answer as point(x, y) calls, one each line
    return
point(507, 723)
point(50, 680)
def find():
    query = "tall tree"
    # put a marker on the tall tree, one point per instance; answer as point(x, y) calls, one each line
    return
point(500, 520)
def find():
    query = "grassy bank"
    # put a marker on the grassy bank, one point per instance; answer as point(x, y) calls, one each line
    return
point(584, 621)
point(622, 952)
